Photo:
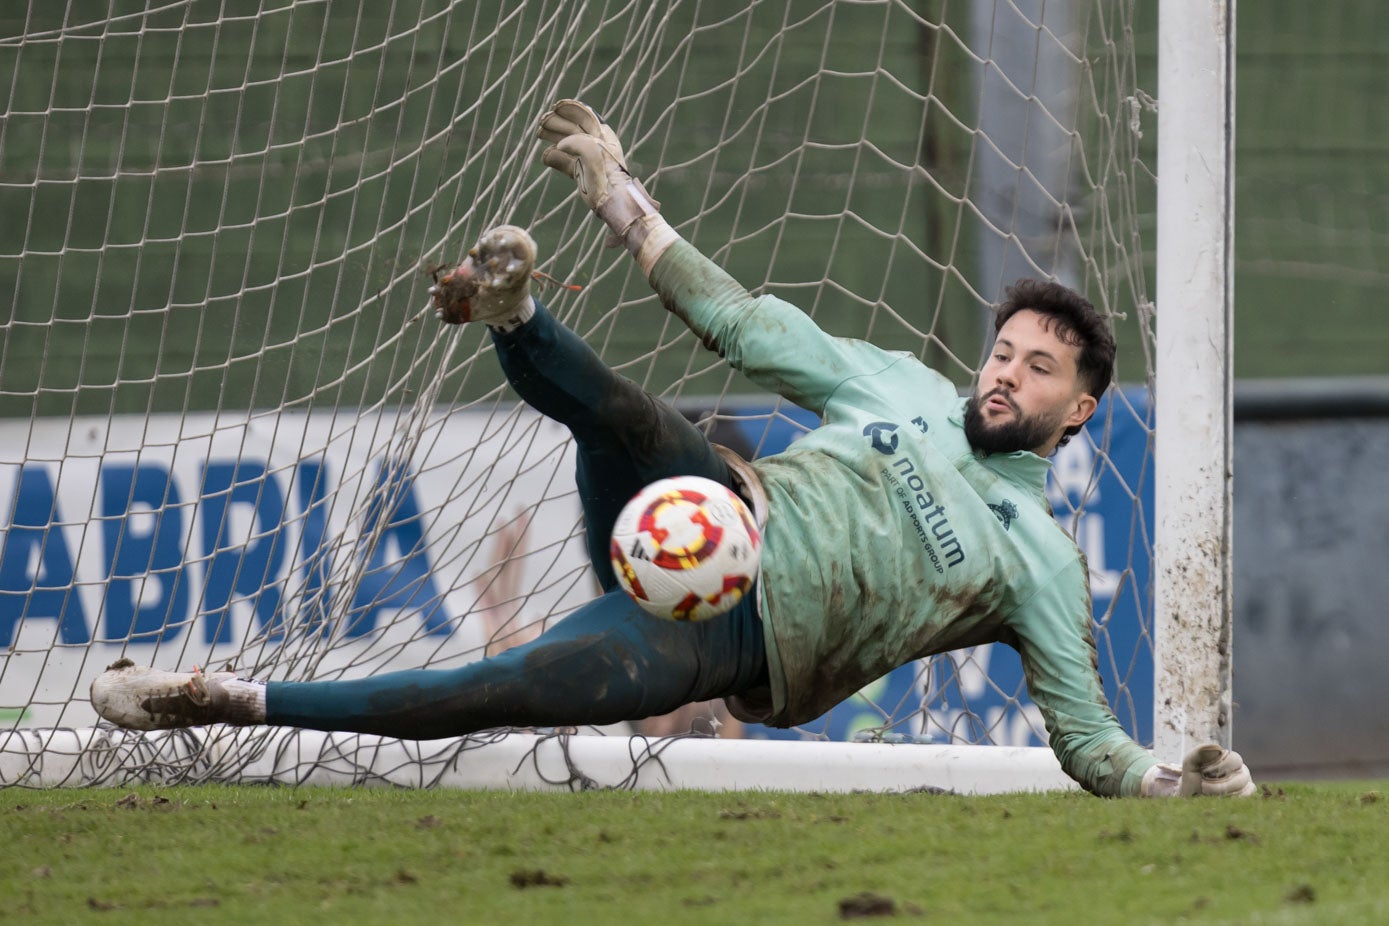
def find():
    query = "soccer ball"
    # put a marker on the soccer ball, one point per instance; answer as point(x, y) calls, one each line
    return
point(686, 548)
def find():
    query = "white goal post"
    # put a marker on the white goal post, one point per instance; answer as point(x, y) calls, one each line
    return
point(231, 430)
point(1194, 381)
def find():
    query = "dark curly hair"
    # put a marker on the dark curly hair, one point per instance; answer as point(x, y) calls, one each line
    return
point(1074, 320)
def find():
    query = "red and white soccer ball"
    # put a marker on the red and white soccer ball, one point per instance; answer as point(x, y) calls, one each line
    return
point(686, 548)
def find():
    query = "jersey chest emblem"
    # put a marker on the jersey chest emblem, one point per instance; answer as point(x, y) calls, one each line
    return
point(1006, 512)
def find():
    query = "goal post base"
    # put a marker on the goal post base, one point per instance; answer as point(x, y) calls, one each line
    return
point(103, 756)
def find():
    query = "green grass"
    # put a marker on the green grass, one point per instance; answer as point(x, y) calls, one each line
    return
point(1300, 854)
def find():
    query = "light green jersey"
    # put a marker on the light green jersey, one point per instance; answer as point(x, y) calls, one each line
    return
point(889, 538)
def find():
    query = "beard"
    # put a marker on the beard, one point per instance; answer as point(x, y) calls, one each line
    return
point(1022, 432)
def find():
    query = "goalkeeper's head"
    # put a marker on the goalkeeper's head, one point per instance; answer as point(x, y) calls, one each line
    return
point(1052, 360)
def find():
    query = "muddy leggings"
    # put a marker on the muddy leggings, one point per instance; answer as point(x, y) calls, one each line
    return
point(608, 661)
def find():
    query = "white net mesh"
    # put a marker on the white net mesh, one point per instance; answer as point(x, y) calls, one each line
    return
point(235, 433)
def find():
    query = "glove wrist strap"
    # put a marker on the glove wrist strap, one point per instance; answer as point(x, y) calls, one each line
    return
point(626, 202)
point(635, 220)
point(1161, 781)
point(649, 238)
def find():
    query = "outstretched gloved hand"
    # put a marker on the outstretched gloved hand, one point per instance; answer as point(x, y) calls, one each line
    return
point(1208, 770)
point(585, 148)
point(1215, 772)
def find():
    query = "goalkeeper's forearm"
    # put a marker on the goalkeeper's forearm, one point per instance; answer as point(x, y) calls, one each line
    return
point(700, 293)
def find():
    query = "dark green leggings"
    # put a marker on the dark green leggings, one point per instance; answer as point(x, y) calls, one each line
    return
point(608, 661)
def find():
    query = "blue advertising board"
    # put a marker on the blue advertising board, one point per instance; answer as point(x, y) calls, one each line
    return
point(183, 540)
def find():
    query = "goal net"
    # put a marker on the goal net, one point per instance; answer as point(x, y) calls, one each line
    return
point(234, 433)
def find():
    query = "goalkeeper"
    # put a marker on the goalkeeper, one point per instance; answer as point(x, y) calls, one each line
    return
point(910, 523)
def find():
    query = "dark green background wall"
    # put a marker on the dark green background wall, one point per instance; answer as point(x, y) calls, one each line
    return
point(1312, 189)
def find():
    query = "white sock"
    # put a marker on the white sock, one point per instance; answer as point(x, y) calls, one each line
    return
point(524, 312)
point(245, 700)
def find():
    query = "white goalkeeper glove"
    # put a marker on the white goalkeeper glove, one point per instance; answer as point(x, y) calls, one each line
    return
point(585, 148)
point(1209, 771)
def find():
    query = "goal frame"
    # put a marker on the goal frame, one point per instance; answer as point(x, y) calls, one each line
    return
point(1192, 603)
point(1194, 387)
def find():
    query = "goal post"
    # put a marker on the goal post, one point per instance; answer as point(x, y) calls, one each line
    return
point(1194, 380)
point(231, 430)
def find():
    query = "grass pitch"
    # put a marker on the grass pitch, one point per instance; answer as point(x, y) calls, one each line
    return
point(1300, 853)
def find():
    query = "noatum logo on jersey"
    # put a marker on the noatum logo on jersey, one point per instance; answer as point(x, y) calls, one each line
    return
point(928, 517)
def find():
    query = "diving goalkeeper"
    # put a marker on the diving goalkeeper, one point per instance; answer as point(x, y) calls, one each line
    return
point(910, 523)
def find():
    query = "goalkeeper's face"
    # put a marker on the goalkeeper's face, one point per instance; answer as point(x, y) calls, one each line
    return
point(1029, 390)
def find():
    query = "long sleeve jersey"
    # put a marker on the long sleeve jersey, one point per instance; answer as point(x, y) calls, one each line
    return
point(889, 538)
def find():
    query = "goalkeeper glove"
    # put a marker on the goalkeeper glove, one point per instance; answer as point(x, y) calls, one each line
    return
point(1208, 770)
point(586, 149)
